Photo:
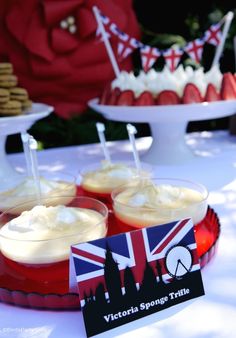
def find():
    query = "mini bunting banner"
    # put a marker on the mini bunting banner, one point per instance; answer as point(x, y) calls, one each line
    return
point(114, 29)
point(106, 24)
point(149, 56)
point(172, 57)
point(126, 45)
point(213, 35)
point(194, 49)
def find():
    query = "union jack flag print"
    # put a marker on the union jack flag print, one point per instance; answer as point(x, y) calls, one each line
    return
point(172, 57)
point(213, 35)
point(194, 49)
point(149, 55)
point(114, 29)
point(126, 45)
point(106, 23)
point(133, 250)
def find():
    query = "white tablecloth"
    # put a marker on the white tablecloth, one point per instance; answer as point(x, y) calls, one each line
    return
point(213, 315)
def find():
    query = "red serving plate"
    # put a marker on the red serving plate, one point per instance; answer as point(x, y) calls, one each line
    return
point(207, 233)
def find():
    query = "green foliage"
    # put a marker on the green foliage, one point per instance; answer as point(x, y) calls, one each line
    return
point(162, 40)
point(54, 131)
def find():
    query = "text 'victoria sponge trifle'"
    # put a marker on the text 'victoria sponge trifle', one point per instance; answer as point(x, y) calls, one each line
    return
point(158, 201)
point(35, 246)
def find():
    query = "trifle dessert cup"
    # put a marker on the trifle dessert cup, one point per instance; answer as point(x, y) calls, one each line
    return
point(100, 179)
point(62, 185)
point(35, 246)
point(158, 201)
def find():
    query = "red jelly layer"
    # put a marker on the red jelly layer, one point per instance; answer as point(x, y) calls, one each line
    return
point(102, 197)
point(42, 278)
point(46, 285)
point(206, 232)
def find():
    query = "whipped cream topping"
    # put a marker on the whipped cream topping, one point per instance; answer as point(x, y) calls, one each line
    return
point(157, 81)
point(148, 204)
point(45, 234)
point(128, 81)
point(214, 76)
point(26, 191)
point(108, 176)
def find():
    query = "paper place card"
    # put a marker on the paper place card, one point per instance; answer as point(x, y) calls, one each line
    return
point(125, 277)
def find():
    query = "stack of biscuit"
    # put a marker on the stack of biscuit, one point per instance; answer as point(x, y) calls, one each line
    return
point(13, 100)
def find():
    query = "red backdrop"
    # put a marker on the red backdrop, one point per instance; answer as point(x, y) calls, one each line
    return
point(54, 65)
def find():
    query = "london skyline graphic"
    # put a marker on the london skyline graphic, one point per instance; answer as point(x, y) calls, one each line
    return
point(117, 298)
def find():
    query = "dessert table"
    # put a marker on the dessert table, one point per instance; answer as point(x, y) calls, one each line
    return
point(212, 315)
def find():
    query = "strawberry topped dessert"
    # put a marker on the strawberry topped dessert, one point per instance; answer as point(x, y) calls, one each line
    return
point(183, 86)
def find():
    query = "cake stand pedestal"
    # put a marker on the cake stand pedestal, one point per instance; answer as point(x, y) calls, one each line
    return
point(168, 125)
point(13, 125)
point(168, 144)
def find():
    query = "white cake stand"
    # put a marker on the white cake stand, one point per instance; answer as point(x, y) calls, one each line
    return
point(168, 125)
point(13, 125)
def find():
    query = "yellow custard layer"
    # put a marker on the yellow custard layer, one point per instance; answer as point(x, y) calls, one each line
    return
point(45, 234)
point(148, 204)
point(26, 191)
point(108, 176)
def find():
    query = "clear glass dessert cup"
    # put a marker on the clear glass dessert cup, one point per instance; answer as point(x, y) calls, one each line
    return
point(32, 264)
point(130, 217)
point(100, 186)
point(53, 184)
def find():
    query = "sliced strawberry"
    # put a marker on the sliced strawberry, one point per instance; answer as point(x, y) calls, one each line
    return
point(114, 95)
point(228, 87)
point(144, 99)
point(191, 94)
point(105, 94)
point(168, 97)
point(126, 98)
point(211, 93)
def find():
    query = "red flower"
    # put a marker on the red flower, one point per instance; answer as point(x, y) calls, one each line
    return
point(59, 67)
